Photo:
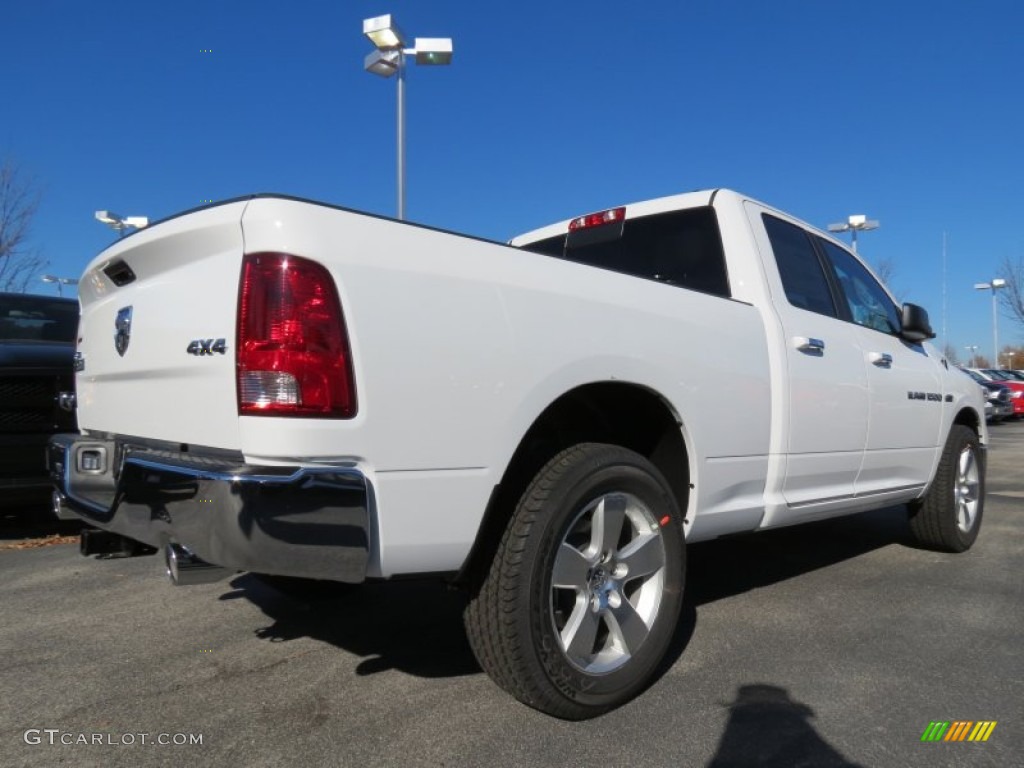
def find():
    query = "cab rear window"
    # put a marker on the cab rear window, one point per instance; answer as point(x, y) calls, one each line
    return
point(682, 248)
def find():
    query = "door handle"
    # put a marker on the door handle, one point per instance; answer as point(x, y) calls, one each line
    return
point(880, 359)
point(810, 346)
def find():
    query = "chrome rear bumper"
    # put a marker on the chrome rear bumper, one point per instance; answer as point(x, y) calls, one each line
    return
point(310, 522)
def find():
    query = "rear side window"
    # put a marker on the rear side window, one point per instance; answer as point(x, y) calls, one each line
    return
point(803, 277)
point(681, 248)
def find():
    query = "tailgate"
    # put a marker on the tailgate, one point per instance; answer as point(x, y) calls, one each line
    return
point(145, 301)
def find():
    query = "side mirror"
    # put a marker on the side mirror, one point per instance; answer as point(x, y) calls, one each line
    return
point(915, 325)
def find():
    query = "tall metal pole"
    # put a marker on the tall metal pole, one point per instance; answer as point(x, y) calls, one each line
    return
point(401, 136)
point(995, 330)
point(944, 304)
point(853, 231)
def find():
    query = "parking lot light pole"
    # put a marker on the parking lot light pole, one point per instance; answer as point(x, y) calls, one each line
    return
point(993, 285)
point(60, 281)
point(854, 224)
point(389, 59)
point(121, 224)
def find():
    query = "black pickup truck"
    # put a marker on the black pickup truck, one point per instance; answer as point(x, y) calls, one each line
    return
point(37, 347)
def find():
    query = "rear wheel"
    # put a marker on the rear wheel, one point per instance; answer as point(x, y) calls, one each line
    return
point(584, 593)
point(948, 518)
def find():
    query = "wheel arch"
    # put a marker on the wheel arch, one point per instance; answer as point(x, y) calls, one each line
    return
point(968, 417)
point(626, 414)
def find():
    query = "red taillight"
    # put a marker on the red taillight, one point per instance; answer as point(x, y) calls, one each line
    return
point(597, 219)
point(293, 352)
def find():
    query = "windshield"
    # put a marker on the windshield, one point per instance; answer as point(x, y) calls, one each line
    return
point(997, 375)
point(37, 318)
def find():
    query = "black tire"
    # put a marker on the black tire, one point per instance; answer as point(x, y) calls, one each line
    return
point(519, 614)
point(948, 517)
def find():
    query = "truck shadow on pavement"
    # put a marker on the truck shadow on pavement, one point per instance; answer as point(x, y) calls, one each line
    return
point(416, 626)
point(769, 729)
point(734, 565)
point(412, 626)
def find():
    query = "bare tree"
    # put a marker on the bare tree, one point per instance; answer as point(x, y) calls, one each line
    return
point(949, 351)
point(19, 264)
point(885, 269)
point(1012, 294)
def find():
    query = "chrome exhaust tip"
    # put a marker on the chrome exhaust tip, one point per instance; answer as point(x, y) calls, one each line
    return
point(184, 569)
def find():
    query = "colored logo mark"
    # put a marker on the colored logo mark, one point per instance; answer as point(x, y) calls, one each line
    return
point(958, 730)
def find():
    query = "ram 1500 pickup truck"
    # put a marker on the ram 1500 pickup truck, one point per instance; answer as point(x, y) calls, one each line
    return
point(295, 389)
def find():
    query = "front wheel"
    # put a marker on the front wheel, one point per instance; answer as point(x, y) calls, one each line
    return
point(584, 594)
point(948, 518)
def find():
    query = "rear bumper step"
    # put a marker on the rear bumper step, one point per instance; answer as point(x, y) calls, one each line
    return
point(310, 522)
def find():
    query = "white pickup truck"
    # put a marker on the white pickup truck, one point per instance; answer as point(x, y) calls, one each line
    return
point(290, 388)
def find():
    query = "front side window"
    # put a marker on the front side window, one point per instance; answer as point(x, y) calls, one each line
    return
point(868, 302)
point(803, 277)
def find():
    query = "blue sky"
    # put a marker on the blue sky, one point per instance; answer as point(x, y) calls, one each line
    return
point(911, 112)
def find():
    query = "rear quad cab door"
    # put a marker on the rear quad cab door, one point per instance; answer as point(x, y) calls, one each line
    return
point(819, 382)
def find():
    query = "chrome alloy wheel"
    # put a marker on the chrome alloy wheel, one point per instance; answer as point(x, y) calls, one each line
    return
point(607, 582)
point(966, 489)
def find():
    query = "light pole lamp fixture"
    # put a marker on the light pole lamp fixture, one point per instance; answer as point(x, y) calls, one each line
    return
point(387, 59)
point(992, 285)
point(854, 224)
point(120, 223)
point(384, 33)
point(433, 51)
point(383, 63)
point(59, 281)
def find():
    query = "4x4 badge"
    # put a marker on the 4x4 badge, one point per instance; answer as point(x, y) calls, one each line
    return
point(200, 347)
point(123, 330)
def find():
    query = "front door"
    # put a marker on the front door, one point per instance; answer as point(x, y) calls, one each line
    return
point(905, 414)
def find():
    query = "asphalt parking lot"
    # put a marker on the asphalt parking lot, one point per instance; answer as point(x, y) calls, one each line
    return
point(834, 644)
